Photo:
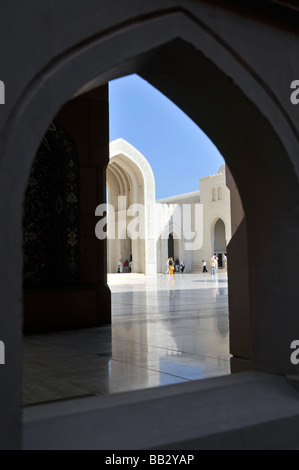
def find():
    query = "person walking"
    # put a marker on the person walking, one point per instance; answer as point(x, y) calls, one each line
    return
point(183, 267)
point(167, 264)
point(131, 266)
point(177, 265)
point(120, 266)
point(171, 266)
point(213, 264)
point(126, 266)
point(204, 266)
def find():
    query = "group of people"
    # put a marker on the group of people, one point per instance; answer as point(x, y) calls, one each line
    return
point(175, 266)
point(125, 267)
point(214, 262)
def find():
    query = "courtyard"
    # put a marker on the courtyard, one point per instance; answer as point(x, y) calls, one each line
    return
point(164, 331)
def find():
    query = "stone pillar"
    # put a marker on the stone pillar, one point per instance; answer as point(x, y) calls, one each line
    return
point(103, 290)
point(239, 302)
point(136, 256)
point(89, 303)
point(238, 281)
point(87, 120)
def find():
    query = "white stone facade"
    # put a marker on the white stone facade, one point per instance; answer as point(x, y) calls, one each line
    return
point(214, 196)
point(129, 174)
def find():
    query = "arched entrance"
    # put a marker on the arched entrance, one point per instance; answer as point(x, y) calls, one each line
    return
point(220, 247)
point(167, 68)
point(131, 183)
point(171, 247)
point(174, 247)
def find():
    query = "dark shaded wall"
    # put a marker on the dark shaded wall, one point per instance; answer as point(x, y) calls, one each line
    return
point(237, 211)
point(239, 302)
point(238, 279)
point(85, 303)
point(232, 76)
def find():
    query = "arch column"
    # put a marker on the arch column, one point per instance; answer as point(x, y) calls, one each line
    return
point(86, 119)
point(139, 188)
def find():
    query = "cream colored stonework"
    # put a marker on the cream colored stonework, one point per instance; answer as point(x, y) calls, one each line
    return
point(129, 174)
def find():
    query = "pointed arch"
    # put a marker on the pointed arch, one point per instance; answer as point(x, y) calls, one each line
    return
point(130, 175)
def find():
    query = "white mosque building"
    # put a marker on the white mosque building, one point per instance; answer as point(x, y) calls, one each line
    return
point(164, 225)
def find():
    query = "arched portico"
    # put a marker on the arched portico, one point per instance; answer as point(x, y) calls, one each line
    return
point(220, 233)
point(208, 77)
point(163, 246)
point(220, 245)
point(130, 177)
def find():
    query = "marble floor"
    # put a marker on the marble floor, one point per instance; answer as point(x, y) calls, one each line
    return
point(164, 331)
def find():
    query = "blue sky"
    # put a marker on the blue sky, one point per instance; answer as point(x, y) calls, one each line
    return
point(177, 150)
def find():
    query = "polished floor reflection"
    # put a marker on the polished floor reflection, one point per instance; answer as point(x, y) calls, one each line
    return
point(164, 331)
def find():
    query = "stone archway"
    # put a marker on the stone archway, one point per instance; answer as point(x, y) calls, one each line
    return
point(174, 247)
point(173, 237)
point(170, 246)
point(220, 247)
point(169, 59)
point(130, 177)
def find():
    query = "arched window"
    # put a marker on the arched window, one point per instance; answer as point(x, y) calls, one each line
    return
point(219, 194)
point(220, 237)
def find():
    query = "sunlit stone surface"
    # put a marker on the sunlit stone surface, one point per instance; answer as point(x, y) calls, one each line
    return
point(164, 331)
